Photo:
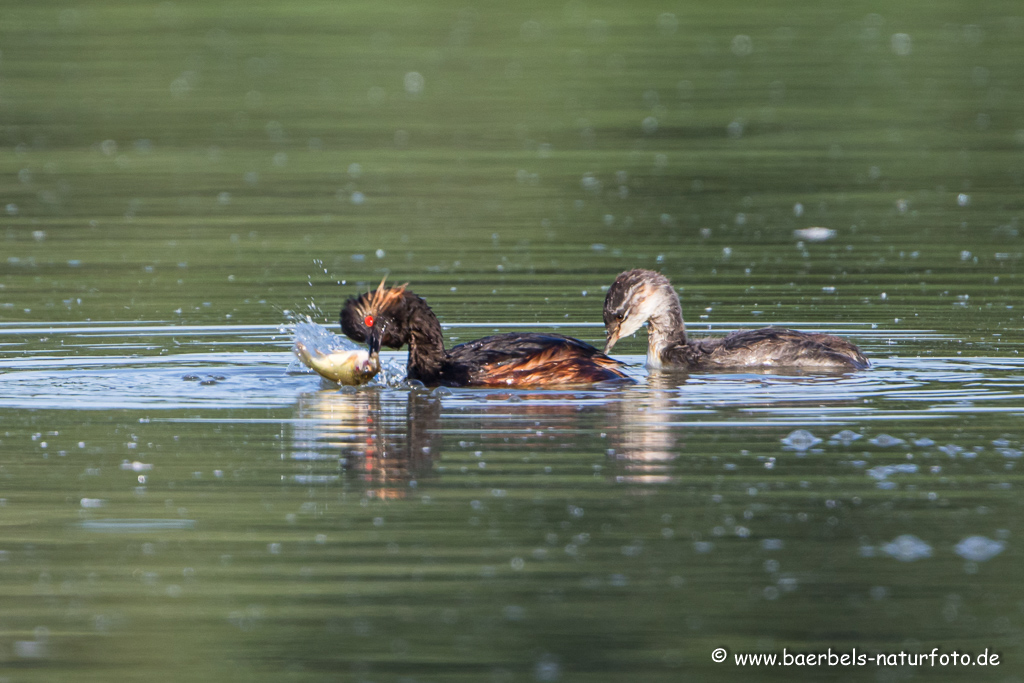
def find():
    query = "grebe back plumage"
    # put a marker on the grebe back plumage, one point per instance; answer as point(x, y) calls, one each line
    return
point(639, 296)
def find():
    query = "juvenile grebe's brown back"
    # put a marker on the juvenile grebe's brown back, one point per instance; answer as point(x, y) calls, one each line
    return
point(639, 296)
point(394, 317)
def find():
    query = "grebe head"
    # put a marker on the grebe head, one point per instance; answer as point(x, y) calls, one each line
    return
point(634, 298)
point(379, 318)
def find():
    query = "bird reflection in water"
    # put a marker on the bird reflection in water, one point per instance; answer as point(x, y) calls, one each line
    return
point(386, 439)
point(645, 441)
point(390, 439)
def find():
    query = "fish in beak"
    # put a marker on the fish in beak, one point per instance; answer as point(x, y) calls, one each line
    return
point(352, 367)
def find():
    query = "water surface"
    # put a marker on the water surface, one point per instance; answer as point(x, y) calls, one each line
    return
point(178, 181)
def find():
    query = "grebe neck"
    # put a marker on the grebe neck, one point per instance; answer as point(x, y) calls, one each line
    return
point(665, 327)
point(427, 354)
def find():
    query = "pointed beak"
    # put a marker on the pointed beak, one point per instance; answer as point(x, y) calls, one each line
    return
point(373, 340)
point(612, 337)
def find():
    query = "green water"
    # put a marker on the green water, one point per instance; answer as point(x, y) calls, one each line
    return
point(179, 180)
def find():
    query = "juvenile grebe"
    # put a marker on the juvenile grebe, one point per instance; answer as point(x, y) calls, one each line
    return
point(639, 296)
point(394, 317)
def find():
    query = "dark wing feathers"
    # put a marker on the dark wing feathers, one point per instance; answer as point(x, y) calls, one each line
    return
point(513, 346)
point(520, 358)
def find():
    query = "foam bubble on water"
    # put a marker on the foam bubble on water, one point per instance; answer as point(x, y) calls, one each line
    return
point(900, 44)
point(815, 234)
point(882, 472)
point(667, 23)
point(590, 183)
point(846, 437)
point(800, 440)
point(978, 548)
point(907, 548)
point(886, 441)
point(742, 45)
point(414, 83)
point(788, 584)
point(547, 668)
point(30, 649)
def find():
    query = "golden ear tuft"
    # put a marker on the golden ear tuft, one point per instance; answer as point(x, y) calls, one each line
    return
point(383, 298)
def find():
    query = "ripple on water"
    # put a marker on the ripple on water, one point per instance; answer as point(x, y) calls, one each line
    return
point(131, 526)
point(882, 472)
point(248, 367)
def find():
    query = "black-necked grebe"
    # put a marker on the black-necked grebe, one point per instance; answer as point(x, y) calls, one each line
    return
point(394, 317)
point(639, 296)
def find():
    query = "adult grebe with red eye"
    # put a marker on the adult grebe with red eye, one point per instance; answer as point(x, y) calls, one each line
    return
point(511, 359)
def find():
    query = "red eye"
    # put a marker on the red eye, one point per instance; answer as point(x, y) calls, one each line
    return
point(368, 320)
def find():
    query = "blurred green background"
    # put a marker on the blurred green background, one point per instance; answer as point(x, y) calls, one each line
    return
point(162, 156)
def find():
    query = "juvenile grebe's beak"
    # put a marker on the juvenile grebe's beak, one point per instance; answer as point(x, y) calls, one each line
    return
point(612, 337)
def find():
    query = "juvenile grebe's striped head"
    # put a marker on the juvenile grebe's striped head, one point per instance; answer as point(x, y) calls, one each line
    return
point(377, 318)
point(635, 297)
